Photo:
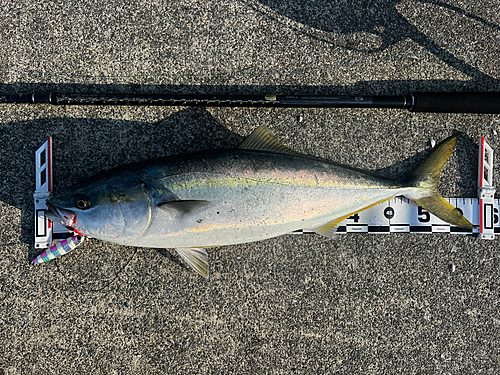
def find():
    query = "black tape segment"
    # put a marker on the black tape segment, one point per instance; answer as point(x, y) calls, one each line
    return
point(421, 228)
point(379, 229)
point(460, 230)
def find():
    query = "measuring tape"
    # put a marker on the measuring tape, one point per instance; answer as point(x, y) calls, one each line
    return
point(398, 215)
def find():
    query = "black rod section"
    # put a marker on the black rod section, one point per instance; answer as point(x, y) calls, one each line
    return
point(480, 102)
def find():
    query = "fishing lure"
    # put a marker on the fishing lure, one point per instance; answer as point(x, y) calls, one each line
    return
point(59, 249)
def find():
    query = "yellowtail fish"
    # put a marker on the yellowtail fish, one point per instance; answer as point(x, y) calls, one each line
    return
point(260, 190)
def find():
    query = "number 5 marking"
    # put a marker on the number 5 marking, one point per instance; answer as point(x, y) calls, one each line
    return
point(426, 217)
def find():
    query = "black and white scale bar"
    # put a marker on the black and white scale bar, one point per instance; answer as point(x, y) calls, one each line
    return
point(400, 215)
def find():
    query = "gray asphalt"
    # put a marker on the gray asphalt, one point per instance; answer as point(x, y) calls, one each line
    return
point(366, 304)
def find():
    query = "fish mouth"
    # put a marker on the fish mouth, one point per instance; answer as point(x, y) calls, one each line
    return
point(54, 213)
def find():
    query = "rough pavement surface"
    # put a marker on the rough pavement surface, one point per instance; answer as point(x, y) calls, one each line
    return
point(366, 304)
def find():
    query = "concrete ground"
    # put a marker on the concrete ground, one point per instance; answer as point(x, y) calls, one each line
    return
point(364, 304)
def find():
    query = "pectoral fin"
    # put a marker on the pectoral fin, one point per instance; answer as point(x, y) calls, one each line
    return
point(196, 258)
point(183, 207)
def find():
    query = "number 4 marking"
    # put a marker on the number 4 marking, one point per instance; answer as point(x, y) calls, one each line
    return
point(354, 217)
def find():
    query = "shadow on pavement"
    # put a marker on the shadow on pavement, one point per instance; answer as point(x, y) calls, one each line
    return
point(380, 24)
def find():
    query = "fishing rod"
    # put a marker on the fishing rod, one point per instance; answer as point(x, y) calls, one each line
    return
point(445, 102)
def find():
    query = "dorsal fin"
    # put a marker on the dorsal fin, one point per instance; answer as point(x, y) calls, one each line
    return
point(262, 140)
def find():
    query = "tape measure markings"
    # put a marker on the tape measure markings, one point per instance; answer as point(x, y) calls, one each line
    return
point(400, 215)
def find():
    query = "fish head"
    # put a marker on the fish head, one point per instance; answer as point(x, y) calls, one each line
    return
point(115, 209)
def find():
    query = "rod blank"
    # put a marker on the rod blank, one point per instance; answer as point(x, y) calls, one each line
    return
point(445, 102)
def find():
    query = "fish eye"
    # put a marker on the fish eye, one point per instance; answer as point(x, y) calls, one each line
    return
point(82, 203)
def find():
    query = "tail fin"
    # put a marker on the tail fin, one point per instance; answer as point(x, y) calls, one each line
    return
point(426, 177)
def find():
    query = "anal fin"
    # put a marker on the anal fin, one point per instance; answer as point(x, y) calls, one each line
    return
point(329, 229)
